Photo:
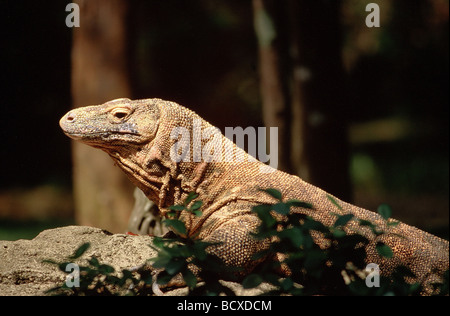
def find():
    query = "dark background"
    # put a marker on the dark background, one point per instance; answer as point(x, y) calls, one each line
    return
point(203, 54)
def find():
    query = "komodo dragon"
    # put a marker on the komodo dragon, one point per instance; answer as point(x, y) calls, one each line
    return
point(143, 138)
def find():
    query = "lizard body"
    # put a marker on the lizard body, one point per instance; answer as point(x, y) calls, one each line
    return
point(153, 142)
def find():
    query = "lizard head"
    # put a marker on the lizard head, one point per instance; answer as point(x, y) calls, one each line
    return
point(114, 124)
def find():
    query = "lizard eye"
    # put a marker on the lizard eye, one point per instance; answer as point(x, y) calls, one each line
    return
point(120, 113)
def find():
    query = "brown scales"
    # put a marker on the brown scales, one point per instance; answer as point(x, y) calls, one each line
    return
point(137, 135)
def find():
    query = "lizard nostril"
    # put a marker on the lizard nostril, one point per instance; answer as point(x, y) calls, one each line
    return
point(70, 117)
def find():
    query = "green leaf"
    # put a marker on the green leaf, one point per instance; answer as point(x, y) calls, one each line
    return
point(401, 272)
point(343, 220)
point(312, 224)
point(176, 225)
point(80, 251)
point(175, 266)
point(190, 279)
point(281, 208)
point(339, 233)
point(262, 208)
point(114, 280)
point(199, 251)
point(384, 250)
point(272, 278)
point(315, 258)
point(415, 288)
point(294, 234)
point(393, 223)
point(182, 251)
point(94, 262)
point(195, 206)
point(177, 208)
point(50, 261)
point(262, 254)
point(372, 226)
point(161, 261)
point(364, 222)
point(274, 193)
point(263, 212)
point(62, 266)
point(191, 196)
point(385, 211)
point(163, 278)
point(333, 200)
point(251, 281)
point(298, 203)
point(127, 274)
point(158, 242)
point(105, 269)
point(287, 284)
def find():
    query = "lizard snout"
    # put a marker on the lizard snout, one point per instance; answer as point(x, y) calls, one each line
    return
point(66, 122)
point(70, 117)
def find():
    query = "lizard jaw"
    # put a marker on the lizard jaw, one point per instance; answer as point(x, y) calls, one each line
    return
point(92, 134)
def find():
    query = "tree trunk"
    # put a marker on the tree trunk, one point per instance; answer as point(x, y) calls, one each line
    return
point(103, 195)
point(274, 79)
point(303, 88)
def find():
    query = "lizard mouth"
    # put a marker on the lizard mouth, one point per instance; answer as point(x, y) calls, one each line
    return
point(96, 135)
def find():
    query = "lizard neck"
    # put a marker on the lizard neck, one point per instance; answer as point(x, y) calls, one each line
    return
point(162, 180)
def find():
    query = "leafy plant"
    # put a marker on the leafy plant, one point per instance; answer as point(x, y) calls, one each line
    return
point(97, 279)
point(187, 256)
point(336, 268)
point(172, 219)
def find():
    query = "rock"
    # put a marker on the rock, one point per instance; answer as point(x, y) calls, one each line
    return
point(22, 271)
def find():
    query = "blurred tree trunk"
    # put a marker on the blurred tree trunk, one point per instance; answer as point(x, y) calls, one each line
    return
point(303, 88)
point(274, 75)
point(102, 193)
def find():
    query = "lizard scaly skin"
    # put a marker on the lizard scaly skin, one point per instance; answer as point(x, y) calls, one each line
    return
point(143, 138)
